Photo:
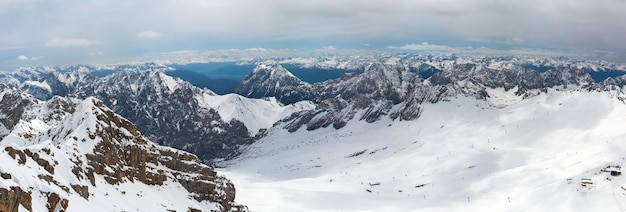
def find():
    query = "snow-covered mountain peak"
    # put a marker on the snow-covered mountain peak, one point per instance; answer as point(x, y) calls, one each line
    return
point(275, 81)
point(275, 71)
point(90, 158)
point(256, 114)
point(160, 80)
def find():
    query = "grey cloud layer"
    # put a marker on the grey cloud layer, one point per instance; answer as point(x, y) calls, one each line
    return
point(133, 27)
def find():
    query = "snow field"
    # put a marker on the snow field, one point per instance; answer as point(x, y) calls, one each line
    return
point(459, 155)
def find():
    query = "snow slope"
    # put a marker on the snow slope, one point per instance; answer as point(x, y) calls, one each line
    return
point(460, 155)
point(256, 114)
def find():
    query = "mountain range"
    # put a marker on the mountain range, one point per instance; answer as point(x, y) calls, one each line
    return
point(92, 116)
point(176, 113)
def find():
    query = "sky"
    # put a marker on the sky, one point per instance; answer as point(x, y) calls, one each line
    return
point(65, 32)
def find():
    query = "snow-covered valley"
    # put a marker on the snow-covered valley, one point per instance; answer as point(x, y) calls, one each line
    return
point(461, 155)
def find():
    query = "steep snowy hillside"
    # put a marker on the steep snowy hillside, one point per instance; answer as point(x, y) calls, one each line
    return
point(78, 155)
point(256, 114)
point(551, 152)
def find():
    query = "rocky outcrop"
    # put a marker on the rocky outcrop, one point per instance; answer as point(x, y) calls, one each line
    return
point(382, 90)
point(12, 104)
point(11, 199)
point(98, 150)
point(55, 201)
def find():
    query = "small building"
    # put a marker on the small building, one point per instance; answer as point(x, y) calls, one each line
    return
point(614, 170)
point(586, 182)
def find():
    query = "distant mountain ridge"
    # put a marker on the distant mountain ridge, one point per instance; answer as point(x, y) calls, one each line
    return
point(395, 89)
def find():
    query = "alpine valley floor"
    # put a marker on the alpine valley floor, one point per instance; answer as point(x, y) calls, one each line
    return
point(460, 155)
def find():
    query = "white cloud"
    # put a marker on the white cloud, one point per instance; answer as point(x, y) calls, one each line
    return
point(330, 48)
point(424, 46)
point(22, 58)
point(72, 42)
point(149, 34)
point(255, 50)
point(26, 58)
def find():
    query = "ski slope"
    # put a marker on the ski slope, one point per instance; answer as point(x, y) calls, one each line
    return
point(460, 155)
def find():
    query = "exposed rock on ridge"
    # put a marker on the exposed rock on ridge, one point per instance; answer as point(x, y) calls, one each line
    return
point(86, 153)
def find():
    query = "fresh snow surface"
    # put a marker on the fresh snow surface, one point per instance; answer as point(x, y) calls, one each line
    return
point(43, 85)
point(171, 83)
point(460, 155)
point(500, 98)
point(256, 114)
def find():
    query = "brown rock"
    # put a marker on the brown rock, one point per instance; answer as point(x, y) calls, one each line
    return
point(10, 200)
point(5, 175)
point(83, 191)
point(53, 200)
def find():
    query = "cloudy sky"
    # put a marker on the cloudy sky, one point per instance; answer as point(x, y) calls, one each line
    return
point(62, 32)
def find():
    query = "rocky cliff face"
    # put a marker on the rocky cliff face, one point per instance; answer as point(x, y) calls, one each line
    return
point(79, 155)
point(382, 90)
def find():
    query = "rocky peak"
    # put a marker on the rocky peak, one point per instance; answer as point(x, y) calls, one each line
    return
point(91, 157)
point(275, 81)
point(374, 92)
point(378, 81)
point(13, 104)
point(272, 73)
